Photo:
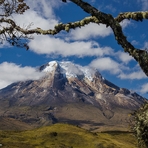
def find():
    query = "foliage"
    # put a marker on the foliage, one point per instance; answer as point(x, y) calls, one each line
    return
point(66, 136)
point(140, 125)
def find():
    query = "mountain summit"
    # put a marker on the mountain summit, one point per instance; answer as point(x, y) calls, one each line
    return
point(69, 93)
point(69, 70)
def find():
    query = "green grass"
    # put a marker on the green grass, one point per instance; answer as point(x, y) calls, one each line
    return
point(65, 136)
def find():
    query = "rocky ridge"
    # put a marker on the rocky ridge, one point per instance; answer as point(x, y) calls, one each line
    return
point(69, 93)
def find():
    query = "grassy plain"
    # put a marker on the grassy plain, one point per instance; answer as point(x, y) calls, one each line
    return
point(65, 136)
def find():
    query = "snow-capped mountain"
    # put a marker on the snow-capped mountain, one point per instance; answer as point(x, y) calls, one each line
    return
point(86, 78)
point(69, 93)
point(70, 70)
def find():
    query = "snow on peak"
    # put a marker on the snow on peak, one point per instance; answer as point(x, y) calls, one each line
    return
point(70, 69)
point(49, 67)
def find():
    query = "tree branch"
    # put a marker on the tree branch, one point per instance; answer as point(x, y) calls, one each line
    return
point(137, 16)
point(141, 56)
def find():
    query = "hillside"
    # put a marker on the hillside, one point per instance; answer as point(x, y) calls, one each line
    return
point(66, 136)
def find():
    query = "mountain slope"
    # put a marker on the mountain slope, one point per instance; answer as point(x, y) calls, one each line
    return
point(69, 93)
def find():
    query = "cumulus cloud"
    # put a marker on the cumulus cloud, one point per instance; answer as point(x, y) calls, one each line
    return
point(144, 88)
point(134, 42)
point(145, 45)
point(44, 7)
point(94, 30)
point(35, 19)
point(106, 64)
point(143, 4)
point(91, 30)
point(124, 57)
point(50, 45)
point(10, 72)
point(41, 14)
point(133, 75)
point(125, 23)
point(121, 70)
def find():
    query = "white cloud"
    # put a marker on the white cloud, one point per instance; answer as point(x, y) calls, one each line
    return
point(133, 75)
point(89, 31)
point(34, 19)
point(44, 7)
point(106, 64)
point(41, 14)
point(5, 44)
point(118, 69)
point(134, 42)
point(145, 45)
point(125, 23)
point(10, 72)
point(124, 57)
point(93, 30)
point(143, 4)
point(49, 45)
point(144, 88)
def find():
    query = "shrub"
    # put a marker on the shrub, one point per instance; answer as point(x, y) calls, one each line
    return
point(53, 134)
point(140, 125)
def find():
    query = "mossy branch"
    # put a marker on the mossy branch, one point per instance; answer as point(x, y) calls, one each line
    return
point(141, 56)
point(137, 16)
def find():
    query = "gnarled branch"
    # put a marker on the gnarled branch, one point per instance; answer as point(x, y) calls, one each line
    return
point(141, 56)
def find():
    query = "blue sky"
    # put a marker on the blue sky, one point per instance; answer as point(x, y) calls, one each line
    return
point(92, 45)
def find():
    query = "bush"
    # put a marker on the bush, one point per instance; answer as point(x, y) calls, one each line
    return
point(140, 125)
point(53, 134)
